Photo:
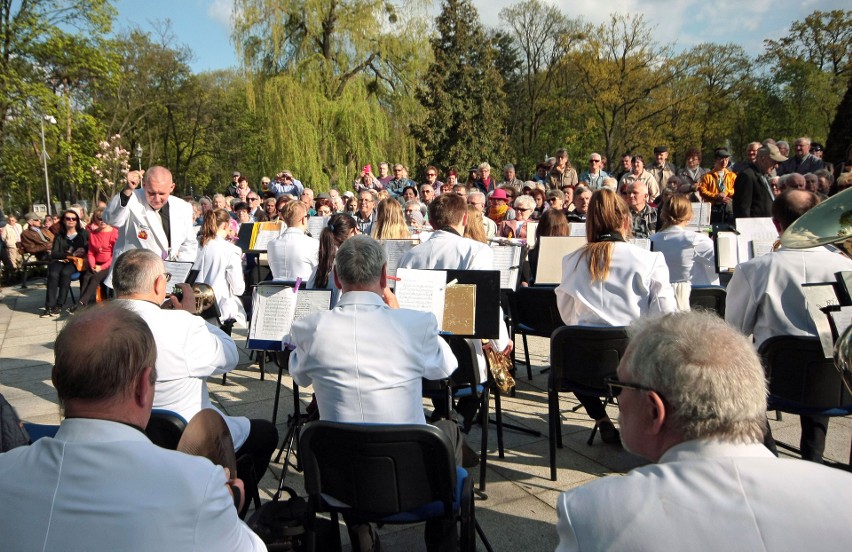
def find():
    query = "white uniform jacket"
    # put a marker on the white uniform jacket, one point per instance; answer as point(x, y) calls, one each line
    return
point(449, 251)
point(140, 227)
point(638, 284)
point(102, 485)
point(293, 255)
point(189, 350)
point(709, 495)
point(689, 255)
point(219, 265)
point(765, 295)
point(359, 377)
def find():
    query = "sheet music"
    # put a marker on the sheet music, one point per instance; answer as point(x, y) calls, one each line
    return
point(532, 228)
point(760, 229)
point(316, 225)
point(507, 259)
point(818, 296)
point(842, 319)
point(309, 301)
point(395, 249)
point(726, 249)
point(266, 232)
point(642, 243)
point(761, 247)
point(700, 215)
point(552, 250)
point(422, 290)
point(179, 270)
point(272, 316)
point(577, 229)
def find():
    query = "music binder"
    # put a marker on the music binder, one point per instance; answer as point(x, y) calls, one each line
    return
point(275, 306)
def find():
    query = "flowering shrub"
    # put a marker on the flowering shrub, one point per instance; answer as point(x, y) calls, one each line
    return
point(112, 165)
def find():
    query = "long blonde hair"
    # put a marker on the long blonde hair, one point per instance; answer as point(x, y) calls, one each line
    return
point(608, 217)
point(475, 229)
point(210, 225)
point(390, 221)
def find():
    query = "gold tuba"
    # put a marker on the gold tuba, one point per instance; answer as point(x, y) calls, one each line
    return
point(204, 297)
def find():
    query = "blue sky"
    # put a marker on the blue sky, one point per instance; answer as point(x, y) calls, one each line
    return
point(204, 25)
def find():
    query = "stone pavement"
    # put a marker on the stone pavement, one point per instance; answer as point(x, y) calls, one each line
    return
point(519, 512)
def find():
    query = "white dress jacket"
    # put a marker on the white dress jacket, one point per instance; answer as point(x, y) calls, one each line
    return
point(189, 350)
point(366, 360)
point(710, 495)
point(219, 265)
point(293, 255)
point(637, 285)
point(102, 485)
point(689, 255)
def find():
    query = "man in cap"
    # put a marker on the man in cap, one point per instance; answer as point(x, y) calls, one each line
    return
point(717, 187)
point(753, 194)
point(285, 184)
point(36, 240)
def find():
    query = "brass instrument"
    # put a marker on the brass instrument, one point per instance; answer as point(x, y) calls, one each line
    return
point(500, 366)
point(830, 222)
point(204, 297)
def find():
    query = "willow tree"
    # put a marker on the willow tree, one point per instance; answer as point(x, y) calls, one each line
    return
point(331, 81)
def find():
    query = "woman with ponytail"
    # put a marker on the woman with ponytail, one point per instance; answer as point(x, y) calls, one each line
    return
point(219, 265)
point(609, 282)
point(340, 227)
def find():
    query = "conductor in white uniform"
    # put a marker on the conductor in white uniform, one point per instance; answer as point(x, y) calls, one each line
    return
point(151, 218)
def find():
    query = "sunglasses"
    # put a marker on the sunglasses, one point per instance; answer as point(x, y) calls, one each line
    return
point(71, 219)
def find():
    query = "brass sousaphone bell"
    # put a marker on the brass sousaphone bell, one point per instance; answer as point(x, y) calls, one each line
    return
point(830, 222)
point(204, 297)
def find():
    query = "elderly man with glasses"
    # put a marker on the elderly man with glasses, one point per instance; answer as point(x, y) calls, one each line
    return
point(595, 175)
point(255, 211)
point(695, 405)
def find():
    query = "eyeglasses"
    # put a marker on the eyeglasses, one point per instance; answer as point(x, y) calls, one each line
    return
point(431, 174)
point(71, 219)
point(552, 199)
point(254, 199)
point(616, 386)
point(594, 160)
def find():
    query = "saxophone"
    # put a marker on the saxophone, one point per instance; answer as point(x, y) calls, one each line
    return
point(500, 366)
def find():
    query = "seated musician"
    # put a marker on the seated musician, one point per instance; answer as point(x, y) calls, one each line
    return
point(361, 376)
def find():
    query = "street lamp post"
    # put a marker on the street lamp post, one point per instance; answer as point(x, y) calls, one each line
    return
point(50, 119)
point(139, 155)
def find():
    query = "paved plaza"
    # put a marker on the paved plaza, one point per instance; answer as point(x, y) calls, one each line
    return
point(519, 512)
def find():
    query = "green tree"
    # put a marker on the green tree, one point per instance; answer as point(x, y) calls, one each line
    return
point(34, 37)
point(462, 93)
point(332, 81)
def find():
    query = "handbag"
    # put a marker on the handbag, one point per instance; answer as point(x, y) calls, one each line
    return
point(281, 524)
point(78, 262)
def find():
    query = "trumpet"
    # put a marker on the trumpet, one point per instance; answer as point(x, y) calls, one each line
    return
point(500, 366)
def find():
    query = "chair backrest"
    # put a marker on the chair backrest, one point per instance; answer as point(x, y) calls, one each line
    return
point(165, 428)
point(584, 356)
point(708, 298)
point(468, 371)
point(535, 308)
point(378, 470)
point(798, 372)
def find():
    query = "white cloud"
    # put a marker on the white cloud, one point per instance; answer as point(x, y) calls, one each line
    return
point(222, 11)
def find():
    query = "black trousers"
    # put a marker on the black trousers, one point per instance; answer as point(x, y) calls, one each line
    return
point(89, 283)
point(58, 283)
point(258, 448)
point(594, 406)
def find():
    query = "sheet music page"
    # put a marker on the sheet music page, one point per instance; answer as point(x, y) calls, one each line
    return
point(818, 296)
point(532, 228)
point(395, 249)
point(700, 215)
point(272, 316)
point(761, 247)
point(577, 229)
point(179, 270)
point(316, 225)
point(266, 232)
point(309, 301)
point(552, 250)
point(642, 243)
point(760, 229)
point(727, 249)
point(842, 319)
point(422, 290)
point(507, 259)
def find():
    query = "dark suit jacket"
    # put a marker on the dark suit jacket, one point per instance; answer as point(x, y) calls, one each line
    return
point(808, 164)
point(752, 198)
